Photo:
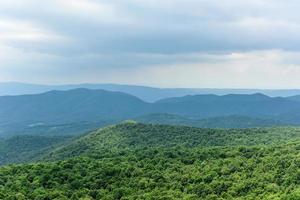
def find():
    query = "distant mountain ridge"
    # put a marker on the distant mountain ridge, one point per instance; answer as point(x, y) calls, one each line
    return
point(294, 98)
point(69, 106)
point(203, 106)
point(232, 121)
point(213, 97)
point(148, 94)
point(92, 107)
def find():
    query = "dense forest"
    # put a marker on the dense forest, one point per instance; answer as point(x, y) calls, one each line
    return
point(230, 121)
point(25, 148)
point(139, 161)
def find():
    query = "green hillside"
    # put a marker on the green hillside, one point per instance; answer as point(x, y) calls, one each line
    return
point(132, 135)
point(60, 129)
point(78, 110)
point(71, 106)
point(26, 148)
point(231, 121)
point(139, 161)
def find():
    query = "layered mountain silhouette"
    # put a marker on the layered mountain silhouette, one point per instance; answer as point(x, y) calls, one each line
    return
point(84, 105)
point(148, 94)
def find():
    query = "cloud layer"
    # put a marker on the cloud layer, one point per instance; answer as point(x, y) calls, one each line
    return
point(191, 43)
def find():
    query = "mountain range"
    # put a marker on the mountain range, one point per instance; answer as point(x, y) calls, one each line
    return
point(148, 94)
point(87, 109)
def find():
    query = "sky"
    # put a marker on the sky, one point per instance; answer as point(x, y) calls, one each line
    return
point(169, 43)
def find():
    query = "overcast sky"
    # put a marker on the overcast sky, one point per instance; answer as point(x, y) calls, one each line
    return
point(165, 43)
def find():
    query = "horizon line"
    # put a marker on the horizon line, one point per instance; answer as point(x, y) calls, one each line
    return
point(141, 85)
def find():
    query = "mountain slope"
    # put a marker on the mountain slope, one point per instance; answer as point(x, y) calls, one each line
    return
point(57, 129)
point(203, 106)
point(148, 94)
point(238, 121)
point(294, 98)
point(69, 106)
point(26, 148)
point(138, 161)
point(231, 121)
point(134, 135)
point(177, 173)
point(90, 107)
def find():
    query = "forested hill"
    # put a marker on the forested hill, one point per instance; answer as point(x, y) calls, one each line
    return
point(69, 106)
point(133, 135)
point(27, 148)
point(83, 106)
point(148, 94)
point(230, 121)
point(255, 105)
point(139, 161)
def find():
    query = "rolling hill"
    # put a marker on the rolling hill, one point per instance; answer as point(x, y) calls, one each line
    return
point(69, 106)
point(139, 161)
point(56, 112)
point(133, 135)
point(25, 148)
point(203, 106)
point(294, 98)
point(42, 129)
point(148, 94)
point(231, 121)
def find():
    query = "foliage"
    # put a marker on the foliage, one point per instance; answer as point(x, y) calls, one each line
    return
point(137, 161)
point(28, 147)
point(138, 136)
point(162, 173)
point(231, 121)
point(59, 109)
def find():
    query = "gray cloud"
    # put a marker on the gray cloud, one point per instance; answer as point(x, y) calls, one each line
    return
point(164, 27)
point(83, 36)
